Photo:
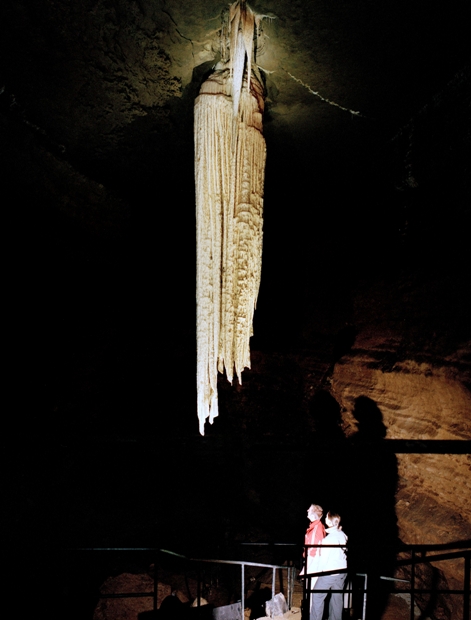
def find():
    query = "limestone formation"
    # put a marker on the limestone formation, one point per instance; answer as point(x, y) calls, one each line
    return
point(229, 174)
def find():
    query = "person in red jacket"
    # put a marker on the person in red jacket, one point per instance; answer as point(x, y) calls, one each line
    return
point(314, 535)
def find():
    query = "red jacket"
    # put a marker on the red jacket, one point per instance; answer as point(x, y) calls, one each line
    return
point(314, 535)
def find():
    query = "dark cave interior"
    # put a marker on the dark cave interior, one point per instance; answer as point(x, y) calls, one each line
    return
point(102, 448)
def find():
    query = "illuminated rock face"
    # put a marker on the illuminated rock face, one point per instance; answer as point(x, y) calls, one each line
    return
point(418, 401)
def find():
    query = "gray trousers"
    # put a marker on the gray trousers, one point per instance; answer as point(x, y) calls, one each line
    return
point(328, 582)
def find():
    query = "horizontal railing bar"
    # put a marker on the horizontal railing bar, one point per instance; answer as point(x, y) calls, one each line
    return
point(241, 563)
point(398, 446)
point(460, 544)
point(433, 558)
point(128, 595)
point(336, 571)
point(323, 546)
point(423, 591)
point(122, 549)
point(416, 590)
point(422, 446)
point(269, 544)
point(465, 546)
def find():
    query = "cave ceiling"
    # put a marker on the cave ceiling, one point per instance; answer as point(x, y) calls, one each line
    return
point(111, 83)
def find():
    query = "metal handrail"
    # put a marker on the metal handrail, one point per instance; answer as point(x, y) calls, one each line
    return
point(414, 560)
point(464, 553)
point(242, 563)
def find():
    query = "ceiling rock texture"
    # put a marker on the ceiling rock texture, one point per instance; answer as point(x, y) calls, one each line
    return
point(362, 332)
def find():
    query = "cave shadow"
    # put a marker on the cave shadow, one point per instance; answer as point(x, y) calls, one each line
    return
point(324, 412)
point(432, 588)
point(257, 601)
point(357, 478)
point(172, 608)
point(430, 607)
point(371, 490)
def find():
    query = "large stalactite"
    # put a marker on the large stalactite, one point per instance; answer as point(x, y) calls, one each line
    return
point(230, 158)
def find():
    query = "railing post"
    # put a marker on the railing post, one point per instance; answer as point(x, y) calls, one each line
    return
point(156, 581)
point(412, 584)
point(466, 586)
point(242, 587)
point(290, 585)
point(365, 590)
point(198, 586)
point(303, 603)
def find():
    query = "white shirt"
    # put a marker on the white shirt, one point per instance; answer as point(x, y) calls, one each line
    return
point(331, 558)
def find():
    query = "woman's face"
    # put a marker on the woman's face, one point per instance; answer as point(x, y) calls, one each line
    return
point(329, 522)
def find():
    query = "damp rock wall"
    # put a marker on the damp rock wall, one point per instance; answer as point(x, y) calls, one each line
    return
point(418, 401)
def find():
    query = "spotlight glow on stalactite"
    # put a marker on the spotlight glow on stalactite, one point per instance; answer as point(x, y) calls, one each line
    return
point(230, 158)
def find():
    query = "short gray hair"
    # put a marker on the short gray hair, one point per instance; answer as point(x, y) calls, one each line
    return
point(317, 509)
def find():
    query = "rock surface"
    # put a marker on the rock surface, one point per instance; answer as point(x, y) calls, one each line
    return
point(129, 607)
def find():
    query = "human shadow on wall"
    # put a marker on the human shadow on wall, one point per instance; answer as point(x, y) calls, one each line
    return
point(356, 477)
point(325, 464)
point(325, 415)
point(370, 488)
